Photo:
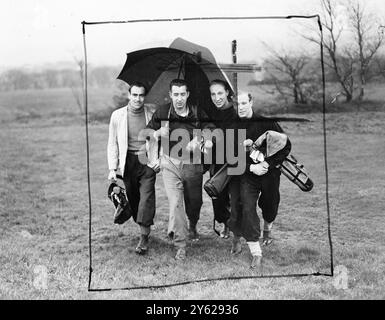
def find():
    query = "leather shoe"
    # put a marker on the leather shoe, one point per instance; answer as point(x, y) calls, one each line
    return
point(266, 239)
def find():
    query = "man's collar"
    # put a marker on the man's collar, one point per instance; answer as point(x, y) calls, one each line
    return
point(174, 113)
point(228, 105)
point(134, 110)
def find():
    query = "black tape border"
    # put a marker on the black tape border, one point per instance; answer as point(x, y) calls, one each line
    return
point(84, 23)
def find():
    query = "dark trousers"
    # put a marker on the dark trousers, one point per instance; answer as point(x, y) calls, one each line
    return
point(245, 192)
point(221, 205)
point(192, 185)
point(139, 181)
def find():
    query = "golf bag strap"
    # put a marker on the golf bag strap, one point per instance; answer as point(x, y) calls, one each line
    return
point(300, 167)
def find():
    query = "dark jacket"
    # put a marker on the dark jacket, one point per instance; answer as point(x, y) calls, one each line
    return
point(256, 126)
point(223, 119)
point(196, 119)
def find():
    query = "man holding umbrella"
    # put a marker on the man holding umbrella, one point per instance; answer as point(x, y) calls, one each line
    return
point(124, 150)
point(182, 176)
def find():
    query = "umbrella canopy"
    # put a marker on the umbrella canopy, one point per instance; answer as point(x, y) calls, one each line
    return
point(193, 48)
point(156, 67)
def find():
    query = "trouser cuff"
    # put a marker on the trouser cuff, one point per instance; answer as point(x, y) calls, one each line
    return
point(267, 226)
point(145, 230)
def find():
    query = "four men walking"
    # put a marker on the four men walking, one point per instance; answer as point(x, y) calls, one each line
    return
point(182, 131)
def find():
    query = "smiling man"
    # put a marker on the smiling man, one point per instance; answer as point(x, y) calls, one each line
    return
point(225, 118)
point(175, 124)
point(123, 151)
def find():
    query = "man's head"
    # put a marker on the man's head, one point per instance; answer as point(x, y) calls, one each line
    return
point(219, 93)
point(179, 93)
point(245, 104)
point(136, 94)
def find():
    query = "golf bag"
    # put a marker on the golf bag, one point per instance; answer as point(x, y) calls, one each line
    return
point(290, 167)
point(117, 194)
point(215, 185)
point(296, 173)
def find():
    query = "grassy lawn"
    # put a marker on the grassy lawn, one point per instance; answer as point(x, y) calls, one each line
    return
point(44, 214)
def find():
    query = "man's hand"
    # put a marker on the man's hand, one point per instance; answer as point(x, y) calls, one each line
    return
point(155, 166)
point(265, 164)
point(259, 169)
point(207, 146)
point(112, 175)
point(163, 132)
point(247, 144)
point(193, 144)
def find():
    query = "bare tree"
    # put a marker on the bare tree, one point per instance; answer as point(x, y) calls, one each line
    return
point(351, 60)
point(289, 74)
point(367, 40)
point(342, 66)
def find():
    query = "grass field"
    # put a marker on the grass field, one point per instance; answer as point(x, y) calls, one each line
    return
point(44, 213)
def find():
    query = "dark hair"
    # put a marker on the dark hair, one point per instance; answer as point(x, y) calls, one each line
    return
point(179, 83)
point(139, 85)
point(224, 84)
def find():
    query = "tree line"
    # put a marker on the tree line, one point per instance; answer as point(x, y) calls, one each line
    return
point(21, 79)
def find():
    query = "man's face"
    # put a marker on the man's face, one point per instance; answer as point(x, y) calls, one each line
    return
point(219, 95)
point(179, 97)
point(136, 97)
point(244, 105)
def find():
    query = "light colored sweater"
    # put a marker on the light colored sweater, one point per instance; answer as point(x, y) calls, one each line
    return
point(118, 137)
point(136, 121)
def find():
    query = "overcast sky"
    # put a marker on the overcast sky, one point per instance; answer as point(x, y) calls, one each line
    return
point(34, 32)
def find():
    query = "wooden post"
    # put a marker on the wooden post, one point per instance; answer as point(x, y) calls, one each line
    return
point(235, 75)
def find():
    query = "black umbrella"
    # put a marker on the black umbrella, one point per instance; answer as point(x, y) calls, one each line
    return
point(156, 67)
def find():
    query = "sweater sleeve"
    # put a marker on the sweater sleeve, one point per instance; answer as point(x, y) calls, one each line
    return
point(254, 132)
point(112, 146)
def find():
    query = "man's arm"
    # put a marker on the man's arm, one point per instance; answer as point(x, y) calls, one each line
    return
point(280, 156)
point(156, 124)
point(112, 147)
point(254, 131)
point(207, 127)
